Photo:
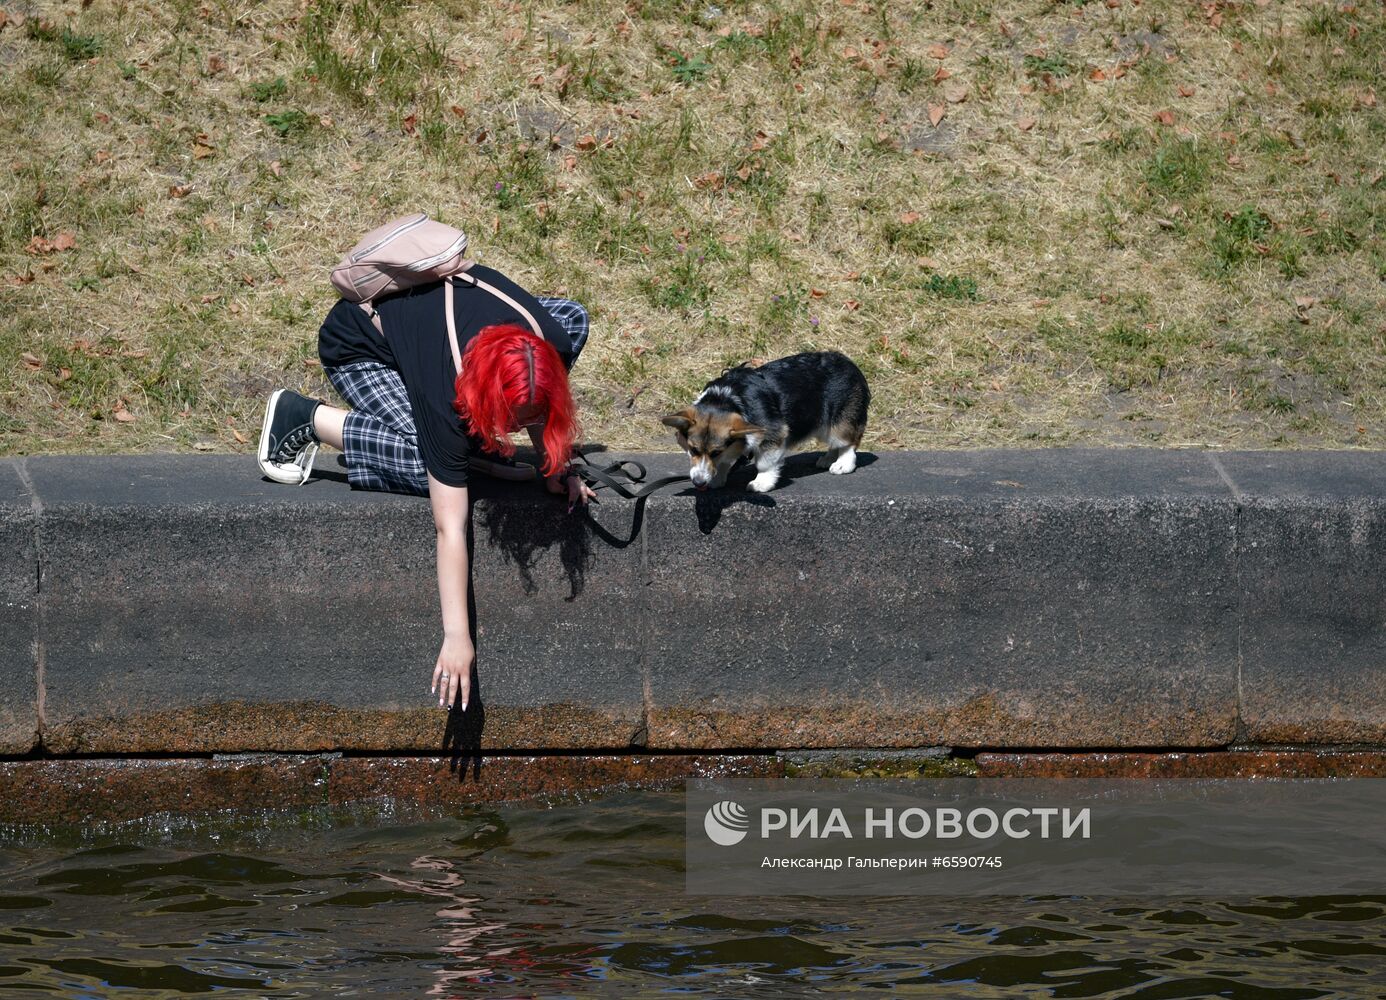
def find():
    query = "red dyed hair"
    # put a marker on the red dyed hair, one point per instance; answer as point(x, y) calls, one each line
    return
point(507, 367)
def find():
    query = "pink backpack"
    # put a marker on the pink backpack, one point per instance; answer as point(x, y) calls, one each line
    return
point(408, 251)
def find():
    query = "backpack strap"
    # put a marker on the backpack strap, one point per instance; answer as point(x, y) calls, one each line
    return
point(452, 326)
point(452, 320)
point(485, 287)
point(374, 316)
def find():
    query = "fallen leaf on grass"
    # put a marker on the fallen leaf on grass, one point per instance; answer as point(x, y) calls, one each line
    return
point(761, 141)
point(955, 95)
point(240, 438)
point(851, 305)
point(179, 190)
point(1305, 301)
point(712, 179)
point(459, 111)
point(586, 143)
point(27, 278)
point(63, 241)
point(215, 64)
point(940, 75)
point(124, 415)
point(64, 374)
point(410, 124)
point(936, 113)
point(1097, 75)
point(1025, 124)
point(927, 262)
point(1165, 117)
point(816, 293)
point(30, 361)
point(910, 218)
point(937, 51)
point(275, 168)
point(1185, 90)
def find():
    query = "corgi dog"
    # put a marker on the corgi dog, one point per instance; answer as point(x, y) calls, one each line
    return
point(761, 413)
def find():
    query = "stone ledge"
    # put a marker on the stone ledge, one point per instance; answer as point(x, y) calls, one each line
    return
point(1017, 598)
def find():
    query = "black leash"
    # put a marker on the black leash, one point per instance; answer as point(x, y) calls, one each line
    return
point(619, 477)
point(616, 478)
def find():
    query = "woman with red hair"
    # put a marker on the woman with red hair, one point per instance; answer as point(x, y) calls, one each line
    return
point(420, 425)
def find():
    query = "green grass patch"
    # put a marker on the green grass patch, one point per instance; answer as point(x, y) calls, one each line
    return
point(263, 91)
point(288, 123)
point(951, 286)
point(1179, 167)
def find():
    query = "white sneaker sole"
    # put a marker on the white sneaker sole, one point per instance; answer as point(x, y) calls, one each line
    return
point(280, 472)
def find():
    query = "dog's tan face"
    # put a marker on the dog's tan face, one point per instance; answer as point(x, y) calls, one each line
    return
point(714, 441)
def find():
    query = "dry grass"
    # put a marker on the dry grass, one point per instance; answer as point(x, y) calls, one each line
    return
point(1053, 261)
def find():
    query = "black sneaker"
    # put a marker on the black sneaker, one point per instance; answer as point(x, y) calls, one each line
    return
point(288, 443)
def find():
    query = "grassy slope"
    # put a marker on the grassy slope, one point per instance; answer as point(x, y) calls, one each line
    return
point(1050, 263)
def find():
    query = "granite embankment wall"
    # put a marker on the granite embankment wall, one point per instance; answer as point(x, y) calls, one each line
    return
point(1013, 599)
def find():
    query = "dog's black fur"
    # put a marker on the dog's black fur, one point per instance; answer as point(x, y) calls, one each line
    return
point(763, 412)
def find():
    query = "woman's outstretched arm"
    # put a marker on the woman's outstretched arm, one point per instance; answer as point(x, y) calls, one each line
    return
point(452, 674)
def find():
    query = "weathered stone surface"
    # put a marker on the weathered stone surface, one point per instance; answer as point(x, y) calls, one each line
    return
point(193, 606)
point(445, 781)
point(1231, 764)
point(94, 790)
point(1312, 539)
point(84, 791)
point(18, 614)
point(1056, 598)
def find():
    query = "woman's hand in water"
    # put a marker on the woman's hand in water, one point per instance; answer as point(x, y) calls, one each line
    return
point(568, 483)
point(452, 675)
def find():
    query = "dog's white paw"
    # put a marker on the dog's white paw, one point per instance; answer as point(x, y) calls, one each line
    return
point(846, 462)
point(763, 483)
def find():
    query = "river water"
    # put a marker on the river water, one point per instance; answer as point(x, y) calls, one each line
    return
point(586, 898)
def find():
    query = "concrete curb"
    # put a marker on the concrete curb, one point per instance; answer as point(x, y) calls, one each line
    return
point(998, 599)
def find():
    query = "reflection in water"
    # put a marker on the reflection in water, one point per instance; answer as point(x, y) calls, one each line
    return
point(460, 919)
point(586, 899)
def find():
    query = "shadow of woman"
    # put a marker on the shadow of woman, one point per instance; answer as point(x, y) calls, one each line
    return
point(523, 527)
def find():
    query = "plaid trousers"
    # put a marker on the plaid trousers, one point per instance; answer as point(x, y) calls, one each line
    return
point(379, 439)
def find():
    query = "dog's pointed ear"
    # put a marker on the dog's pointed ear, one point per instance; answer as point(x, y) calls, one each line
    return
point(740, 429)
point(680, 421)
